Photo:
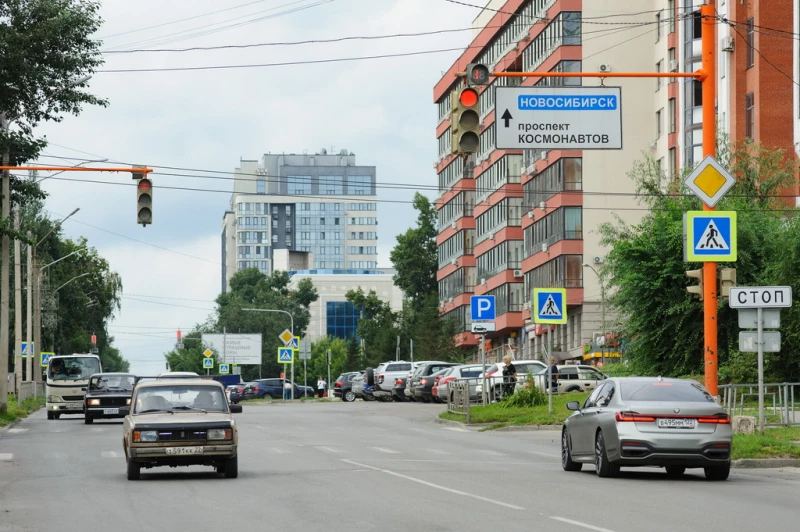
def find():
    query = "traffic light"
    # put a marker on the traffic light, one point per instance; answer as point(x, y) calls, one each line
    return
point(144, 202)
point(697, 289)
point(477, 74)
point(465, 121)
point(727, 280)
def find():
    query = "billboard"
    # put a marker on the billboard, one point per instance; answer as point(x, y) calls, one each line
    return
point(235, 348)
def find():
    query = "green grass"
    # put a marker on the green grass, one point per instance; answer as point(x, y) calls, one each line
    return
point(18, 412)
point(262, 400)
point(782, 442)
point(500, 416)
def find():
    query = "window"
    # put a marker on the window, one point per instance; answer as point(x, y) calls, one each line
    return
point(322, 250)
point(672, 58)
point(275, 210)
point(288, 210)
point(331, 184)
point(671, 15)
point(275, 239)
point(274, 224)
point(336, 221)
point(672, 115)
point(322, 206)
point(322, 235)
point(336, 206)
point(360, 185)
point(658, 27)
point(305, 221)
point(659, 69)
point(749, 115)
point(673, 162)
point(261, 186)
point(668, 392)
point(322, 221)
point(298, 185)
point(751, 43)
point(658, 123)
point(305, 206)
point(341, 318)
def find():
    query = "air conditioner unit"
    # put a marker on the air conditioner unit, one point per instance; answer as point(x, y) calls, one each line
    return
point(450, 300)
point(673, 66)
point(454, 262)
point(530, 215)
point(727, 44)
point(653, 144)
point(597, 260)
point(483, 281)
point(544, 247)
point(543, 155)
point(604, 68)
point(436, 164)
point(526, 37)
point(517, 273)
point(453, 225)
point(543, 205)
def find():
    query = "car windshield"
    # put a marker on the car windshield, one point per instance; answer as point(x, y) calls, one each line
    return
point(111, 383)
point(683, 392)
point(190, 397)
point(72, 368)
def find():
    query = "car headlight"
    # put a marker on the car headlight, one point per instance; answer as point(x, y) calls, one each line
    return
point(219, 434)
point(145, 436)
point(53, 399)
point(94, 402)
point(128, 401)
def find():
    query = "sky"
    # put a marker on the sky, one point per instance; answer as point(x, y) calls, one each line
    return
point(382, 110)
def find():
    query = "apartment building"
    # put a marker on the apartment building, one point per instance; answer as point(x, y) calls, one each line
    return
point(322, 204)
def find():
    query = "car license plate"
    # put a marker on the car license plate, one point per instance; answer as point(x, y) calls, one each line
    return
point(184, 450)
point(674, 423)
point(111, 411)
point(74, 406)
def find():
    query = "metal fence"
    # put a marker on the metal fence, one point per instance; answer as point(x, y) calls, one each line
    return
point(458, 400)
point(780, 402)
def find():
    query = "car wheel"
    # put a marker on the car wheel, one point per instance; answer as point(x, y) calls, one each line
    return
point(566, 455)
point(232, 467)
point(605, 469)
point(134, 470)
point(87, 419)
point(675, 471)
point(349, 396)
point(718, 472)
point(50, 415)
point(370, 377)
point(56, 416)
point(574, 389)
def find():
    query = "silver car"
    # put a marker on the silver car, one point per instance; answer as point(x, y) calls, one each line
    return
point(648, 421)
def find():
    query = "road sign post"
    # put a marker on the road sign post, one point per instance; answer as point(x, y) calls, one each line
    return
point(483, 310)
point(765, 302)
point(549, 307)
point(710, 236)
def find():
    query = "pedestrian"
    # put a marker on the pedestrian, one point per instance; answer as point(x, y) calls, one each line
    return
point(509, 377)
point(287, 389)
point(320, 387)
point(553, 385)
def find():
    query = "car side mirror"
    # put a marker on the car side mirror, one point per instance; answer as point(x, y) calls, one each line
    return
point(236, 409)
point(573, 405)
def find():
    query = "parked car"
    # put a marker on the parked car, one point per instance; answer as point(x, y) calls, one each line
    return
point(424, 371)
point(437, 381)
point(235, 392)
point(579, 378)
point(637, 421)
point(399, 388)
point(357, 386)
point(494, 376)
point(467, 371)
point(343, 387)
point(180, 422)
point(273, 388)
point(386, 374)
point(108, 396)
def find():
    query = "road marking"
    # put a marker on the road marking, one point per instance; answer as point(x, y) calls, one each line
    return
point(388, 451)
point(328, 449)
point(6, 457)
point(435, 486)
point(98, 429)
point(455, 429)
point(493, 453)
point(111, 454)
point(279, 451)
point(261, 427)
point(582, 525)
point(55, 456)
point(549, 455)
point(17, 431)
point(436, 451)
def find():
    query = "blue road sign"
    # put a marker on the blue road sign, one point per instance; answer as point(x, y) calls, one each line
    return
point(208, 363)
point(550, 305)
point(25, 352)
point(294, 343)
point(285, 355)
point(483, 308)
point(46, 358)
point(224, 369)
point(711, 236)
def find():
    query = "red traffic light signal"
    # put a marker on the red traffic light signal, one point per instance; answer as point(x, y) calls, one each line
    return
point(468, 97)
point(144, 202)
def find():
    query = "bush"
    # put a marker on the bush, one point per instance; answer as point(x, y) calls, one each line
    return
point(526, 397)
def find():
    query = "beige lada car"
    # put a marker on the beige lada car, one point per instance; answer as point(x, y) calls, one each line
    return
point(181, 422)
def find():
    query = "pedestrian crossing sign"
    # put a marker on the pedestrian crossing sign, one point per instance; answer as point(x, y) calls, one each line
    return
point(285, 355)
point(710, 236)
point(224, 369)
point(208, 363)
point(550, 305)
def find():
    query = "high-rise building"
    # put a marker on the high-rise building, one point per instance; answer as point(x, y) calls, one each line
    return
point(322, 204)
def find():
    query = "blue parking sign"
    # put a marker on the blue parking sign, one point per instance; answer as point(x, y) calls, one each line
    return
point(483, 308)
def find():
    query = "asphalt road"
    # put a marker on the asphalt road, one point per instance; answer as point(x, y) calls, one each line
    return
point(363, 467)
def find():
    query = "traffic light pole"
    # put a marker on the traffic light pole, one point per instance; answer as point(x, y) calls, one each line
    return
point(707, 76)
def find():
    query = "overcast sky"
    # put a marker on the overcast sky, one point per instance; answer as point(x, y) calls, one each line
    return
point(381, 110)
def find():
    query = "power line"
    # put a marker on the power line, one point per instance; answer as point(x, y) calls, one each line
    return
point(174, 298)
point(167, 304)
point(773, 65)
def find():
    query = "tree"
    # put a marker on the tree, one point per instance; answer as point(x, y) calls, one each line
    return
point(662, 322)
point(190, 357)
point(415, 255)
point(342, 359)
point(378, 326)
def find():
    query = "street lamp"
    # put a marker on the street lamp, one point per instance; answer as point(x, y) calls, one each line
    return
point(291, 318)
point(602, 311)
point(76, 277)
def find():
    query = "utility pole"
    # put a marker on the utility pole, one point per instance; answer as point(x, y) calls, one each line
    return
point(397, 351)
point(28, 323)
point(17, 308)
point(328, 384)
point(411, 348)
point(5, 213)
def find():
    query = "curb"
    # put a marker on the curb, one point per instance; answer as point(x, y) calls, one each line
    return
point(528, 428)
point(509, 428)
point(765, 463)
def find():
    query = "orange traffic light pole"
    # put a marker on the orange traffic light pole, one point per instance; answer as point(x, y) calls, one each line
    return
point(707, 76)
point(74, 169)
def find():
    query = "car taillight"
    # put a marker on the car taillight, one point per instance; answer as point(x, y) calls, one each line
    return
point(491, 373)
point(720, 419)
point(436, 381)
point(338, 385)
point(633, 417)
point(256, 388)
point(423, 381)
point(399, 381)
point(380, 379)
point(446, 380)
point(239, 390)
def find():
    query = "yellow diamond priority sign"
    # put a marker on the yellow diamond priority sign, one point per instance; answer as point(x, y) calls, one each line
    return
point(208, 352)
point(710, 181)
point(286, 336)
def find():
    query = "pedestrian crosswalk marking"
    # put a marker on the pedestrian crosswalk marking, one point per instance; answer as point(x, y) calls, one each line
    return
point(388, 451)
point(6, 457)
point(712, 238)
point(17, 431)
point(549, 308)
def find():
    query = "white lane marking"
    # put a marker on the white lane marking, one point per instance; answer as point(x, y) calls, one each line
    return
point(261, 427)
point(17, 431)
point(493, 453)
point(279, 451)
point(435, 486)
point(111, 454)
point(385, 460)
point(53, 431)
point(549, 455)
point(384, 450)
point(582, 525)
point(6, 457)
point(328, 449)
point(98, 429)
point(55, 456)
point(455, 429)
point(436, 451)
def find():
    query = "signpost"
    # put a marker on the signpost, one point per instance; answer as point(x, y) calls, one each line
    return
point(224, 369)
point(710, 236)
point(208, 364)
point(558, 118)
point(46, 356)
point(305, 354)
point(26, 349)
point(549, 307)
point(764, 302)
point(483, 310)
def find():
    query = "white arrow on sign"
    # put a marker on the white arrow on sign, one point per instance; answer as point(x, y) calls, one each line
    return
point(761, 296)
